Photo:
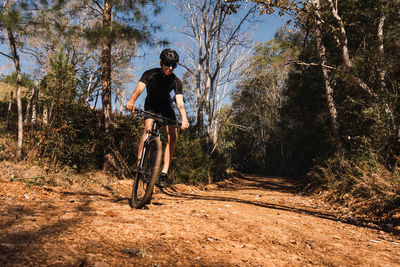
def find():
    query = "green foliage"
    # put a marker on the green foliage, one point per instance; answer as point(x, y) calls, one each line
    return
point(364, 168)
point(15, 16)
point(60, 84)
point(129, 21)
point(70, 136)
point(73, 141)
point(60, 91)
point(307, 126)
point(295, 134)
point(193, 163)
point(265, 6)
point(126, 133)
point(11, 79)
point(10, 19)
point(257, 108)
point(79, 142)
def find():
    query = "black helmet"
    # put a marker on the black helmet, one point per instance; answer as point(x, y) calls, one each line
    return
point(169, 55)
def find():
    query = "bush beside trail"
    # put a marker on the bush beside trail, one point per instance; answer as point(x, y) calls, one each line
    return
point(76, 140)
point(363, 186)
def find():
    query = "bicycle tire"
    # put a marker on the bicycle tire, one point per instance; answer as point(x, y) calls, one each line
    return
point(142, 189)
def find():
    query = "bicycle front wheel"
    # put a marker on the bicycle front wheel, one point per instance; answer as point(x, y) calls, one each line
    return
point(146, 178)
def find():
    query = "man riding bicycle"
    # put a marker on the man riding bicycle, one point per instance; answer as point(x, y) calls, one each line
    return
point(159, 82)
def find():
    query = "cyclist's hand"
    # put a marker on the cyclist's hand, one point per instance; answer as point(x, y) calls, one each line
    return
point(130, 107)
point(184, 125)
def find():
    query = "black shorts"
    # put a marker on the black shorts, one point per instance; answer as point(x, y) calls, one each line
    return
point(164, 110)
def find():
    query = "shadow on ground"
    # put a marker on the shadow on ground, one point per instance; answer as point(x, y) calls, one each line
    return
point(282, 185)
point(22, 241)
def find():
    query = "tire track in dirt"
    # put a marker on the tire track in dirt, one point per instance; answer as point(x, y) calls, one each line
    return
point(243, 221)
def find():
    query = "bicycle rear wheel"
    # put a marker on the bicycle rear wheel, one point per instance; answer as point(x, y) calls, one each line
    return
point(145, 179)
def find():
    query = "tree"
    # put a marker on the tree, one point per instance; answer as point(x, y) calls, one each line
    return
point(115, 21)
point(215, 48)
point(328, 80)
point(267, 7)
point(257, 107)
point(26, 80)
point(338, 26)
point(60, 88)
point(109, 26)
point(11, 20)
point(362, 88)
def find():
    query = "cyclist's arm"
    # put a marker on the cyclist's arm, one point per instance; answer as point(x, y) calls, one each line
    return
point(182, 110)
point(138, 91)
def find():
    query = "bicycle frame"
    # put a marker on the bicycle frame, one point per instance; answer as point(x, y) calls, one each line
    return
point(158, 121)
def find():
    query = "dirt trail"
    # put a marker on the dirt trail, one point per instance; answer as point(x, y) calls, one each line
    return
point(247, 221)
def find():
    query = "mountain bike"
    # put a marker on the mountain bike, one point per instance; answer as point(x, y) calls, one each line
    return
point(148, 170)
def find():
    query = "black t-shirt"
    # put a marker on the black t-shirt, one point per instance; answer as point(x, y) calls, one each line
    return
point(159, 86)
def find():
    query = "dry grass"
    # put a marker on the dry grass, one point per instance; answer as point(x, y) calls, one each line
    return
point(30, 171)
point(364, 188)
point(95, 181)
point(5, 90)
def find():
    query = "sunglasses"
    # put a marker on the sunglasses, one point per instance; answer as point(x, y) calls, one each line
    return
point(170, 64)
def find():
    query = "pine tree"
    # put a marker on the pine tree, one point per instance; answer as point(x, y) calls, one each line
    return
point(113, 21)
point(12, 21)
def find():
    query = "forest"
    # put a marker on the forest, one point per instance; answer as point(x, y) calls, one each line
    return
point(317, 103)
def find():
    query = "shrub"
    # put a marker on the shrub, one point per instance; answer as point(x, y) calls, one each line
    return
point(74, 141)
point(363, 183)
point(193, 163)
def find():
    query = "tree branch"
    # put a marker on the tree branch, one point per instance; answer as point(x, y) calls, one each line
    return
point(9, 57)
point(311, 64)
point(356, 80)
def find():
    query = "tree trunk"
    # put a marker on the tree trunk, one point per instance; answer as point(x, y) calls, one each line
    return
point(116, 97)
point(123, 98)
point(345, 50)
point(199, 95)
point(382, 69)
point(381, 51)
point(45, 115)
point(9, 109)
point(106, 67)
point(34, 107)
point(18, 94)
point(89, 88)
point(326, 74)
point(108, 155)
point(281, 136)
point(30, 102)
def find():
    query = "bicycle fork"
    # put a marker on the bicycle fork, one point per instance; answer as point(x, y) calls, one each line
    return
point(146, 142)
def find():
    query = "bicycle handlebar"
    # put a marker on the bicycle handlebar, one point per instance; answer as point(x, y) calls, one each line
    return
point(157, 117)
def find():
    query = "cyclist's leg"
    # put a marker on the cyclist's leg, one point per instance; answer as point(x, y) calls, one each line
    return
point(170, 147)
point(148, 124)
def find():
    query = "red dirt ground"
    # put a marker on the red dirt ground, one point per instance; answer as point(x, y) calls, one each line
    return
point(243, 221)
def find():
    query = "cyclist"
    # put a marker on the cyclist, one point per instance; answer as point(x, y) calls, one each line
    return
point(159, 82)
